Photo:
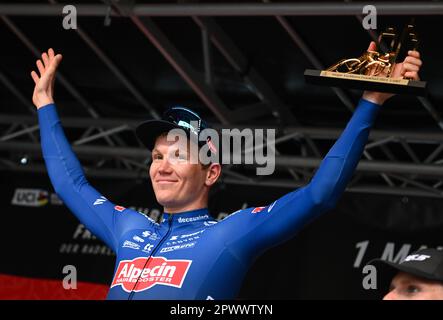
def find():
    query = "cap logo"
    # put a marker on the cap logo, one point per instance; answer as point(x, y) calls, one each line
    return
point(417, 257)
point(187, 125)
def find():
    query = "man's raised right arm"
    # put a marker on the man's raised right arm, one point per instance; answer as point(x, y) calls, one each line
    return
point(64, 169)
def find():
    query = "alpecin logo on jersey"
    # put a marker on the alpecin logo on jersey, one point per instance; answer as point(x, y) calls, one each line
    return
point(158, 270)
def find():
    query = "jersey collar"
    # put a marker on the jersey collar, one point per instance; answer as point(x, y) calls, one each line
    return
point(187, 217)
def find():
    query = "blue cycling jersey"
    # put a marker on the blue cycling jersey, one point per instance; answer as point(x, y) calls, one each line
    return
point(190, 255)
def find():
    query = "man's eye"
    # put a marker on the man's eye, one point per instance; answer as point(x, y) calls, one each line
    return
point(156, 157)
point(181, 156)
point(412, 289)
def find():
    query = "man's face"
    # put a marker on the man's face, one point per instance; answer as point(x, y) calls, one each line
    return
point(177, 182)
point(405, 286)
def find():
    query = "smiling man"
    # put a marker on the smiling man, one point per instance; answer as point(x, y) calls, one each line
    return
point(189, 255)
point(180, 181)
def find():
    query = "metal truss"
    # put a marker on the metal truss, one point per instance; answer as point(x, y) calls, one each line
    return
point(422, 175)
point(233, 9)
point(105, 153)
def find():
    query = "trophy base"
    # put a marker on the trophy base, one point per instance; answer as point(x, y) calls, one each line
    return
point(372, 83)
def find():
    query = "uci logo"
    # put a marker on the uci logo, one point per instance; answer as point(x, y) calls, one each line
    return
point(30, 197)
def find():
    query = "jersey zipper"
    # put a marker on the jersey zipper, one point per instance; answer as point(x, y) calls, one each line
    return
point(131, 295)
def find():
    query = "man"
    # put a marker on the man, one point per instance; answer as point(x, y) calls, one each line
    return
point(189, 255)
point(418, 277)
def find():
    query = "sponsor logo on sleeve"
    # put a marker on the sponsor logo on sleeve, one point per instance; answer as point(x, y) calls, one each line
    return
point(100, 201)
point(119, 208)
point(271, 206)
point(257, 209)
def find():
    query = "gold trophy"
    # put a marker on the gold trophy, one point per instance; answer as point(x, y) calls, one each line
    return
point(373, 70)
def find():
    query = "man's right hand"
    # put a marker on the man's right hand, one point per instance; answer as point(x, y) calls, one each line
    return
point(44, 85)
point(409, 68)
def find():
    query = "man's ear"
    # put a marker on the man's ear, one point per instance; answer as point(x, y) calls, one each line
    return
point(213, 173)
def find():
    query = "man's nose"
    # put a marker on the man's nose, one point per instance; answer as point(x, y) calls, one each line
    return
point(165, 166)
